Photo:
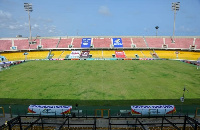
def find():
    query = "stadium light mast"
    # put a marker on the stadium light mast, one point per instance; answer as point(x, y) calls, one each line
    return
point(156, 30)
point(28, 8)
point(175, 7)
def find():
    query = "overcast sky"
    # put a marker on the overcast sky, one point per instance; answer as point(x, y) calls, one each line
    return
point(99, 18)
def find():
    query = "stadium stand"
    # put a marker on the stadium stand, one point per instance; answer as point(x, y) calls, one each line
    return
point(108, 54)
point(139, 42)
point(37, 55)
point(56, 54)
point(126, 42)
point(166, 54)
point(147, 53)
point(5, 45)
point(64, 54)
point(197, 43)
point(179, 42)
point(64, 43)
point(189, 43)
point(96, 54)
point(154, 42)
point(178, 55)
point(34, 46)
point(21, 44)
point(133, 54)
point(102, 42)
point(49, 43)
point(188, 55)
point(77, 42)
point(13, 56)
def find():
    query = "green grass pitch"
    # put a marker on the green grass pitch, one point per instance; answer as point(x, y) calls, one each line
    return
point(100, 83)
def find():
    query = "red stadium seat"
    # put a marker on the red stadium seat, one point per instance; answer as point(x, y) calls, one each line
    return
point(64, 43)
point(77, 42)
point(197, 43)
point(139, 42)
point(126, 42)
point(5, 45)
point(49, 43)
point(154, 42)
point(179, 42)
point(102, 42)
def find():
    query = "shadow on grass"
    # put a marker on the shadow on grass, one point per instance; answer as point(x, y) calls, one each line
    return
point(99, 102)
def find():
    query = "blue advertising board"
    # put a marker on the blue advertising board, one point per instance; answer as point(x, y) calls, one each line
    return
point(86, 42)
point(117, 42)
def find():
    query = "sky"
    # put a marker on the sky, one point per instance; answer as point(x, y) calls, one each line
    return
point(99, 18)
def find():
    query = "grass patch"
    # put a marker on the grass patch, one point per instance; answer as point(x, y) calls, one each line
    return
point(99, 83)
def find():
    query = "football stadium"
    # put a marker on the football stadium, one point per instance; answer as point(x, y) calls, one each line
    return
point(99, 82)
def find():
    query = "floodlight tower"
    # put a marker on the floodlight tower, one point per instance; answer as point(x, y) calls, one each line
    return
point(175, 7)
point(156, 30)
point(28, 7)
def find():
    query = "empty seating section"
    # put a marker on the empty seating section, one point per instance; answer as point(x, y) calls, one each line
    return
point(34, 46)
point(197, 43)
point(64, 54)
point(102, 42)
point(56, 54)
point(21, 44)
point(126, 42)
point(151, 42)
point(13, 56)
point(96, 54)
point(108, 54)
point(181, 55)
point(139, 42)
point(147, 54)
point(133, 53)
point(5, 45)
point(166, 54)
point(188, 55)
point(37, 55)
point(154, 42)
point(49, 43)
point(185, 55)
point(179, 42)
point(64, 43)
point(77, 42)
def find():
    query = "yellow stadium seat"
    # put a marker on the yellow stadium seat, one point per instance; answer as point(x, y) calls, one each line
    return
point(132, 53)
point(185, 55)
point(64, 54)
point(166, 54)
point(56, 54)
point(96, 54)
point(147, 53)
point(37, 55)
point(188, 55)
point(108, 54)
point(13, 56)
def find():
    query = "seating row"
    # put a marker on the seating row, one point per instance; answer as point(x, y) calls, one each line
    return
point(137, 42)
point(186, 55)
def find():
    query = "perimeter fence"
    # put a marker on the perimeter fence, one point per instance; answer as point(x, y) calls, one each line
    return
point(100, 111)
